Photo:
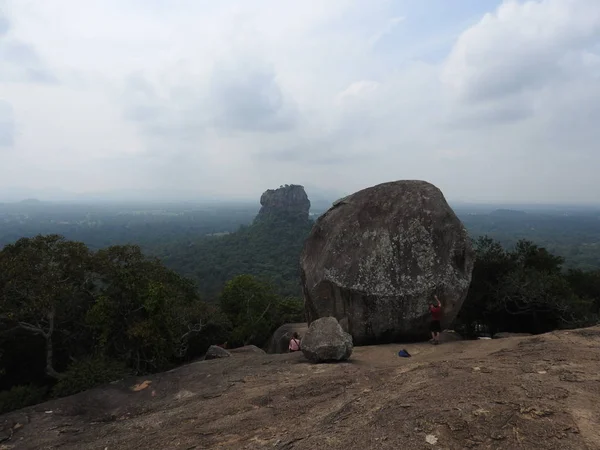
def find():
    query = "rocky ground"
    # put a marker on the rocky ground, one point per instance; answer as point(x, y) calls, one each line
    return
point(539, 392)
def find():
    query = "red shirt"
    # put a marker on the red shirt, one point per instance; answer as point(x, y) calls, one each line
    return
point(436, 312)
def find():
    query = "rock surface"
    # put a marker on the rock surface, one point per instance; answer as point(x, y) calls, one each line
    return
point(247, 349)
point(326, 341)
point(288, 199)
point(216, 352)
point(450, 336)
point(280, 340)
point(375, 259)
point(504, 334)
point(529, 393)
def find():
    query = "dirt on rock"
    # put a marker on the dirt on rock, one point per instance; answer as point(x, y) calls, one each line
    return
point(540, 392)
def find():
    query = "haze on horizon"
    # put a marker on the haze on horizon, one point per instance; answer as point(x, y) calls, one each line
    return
point(491, 101)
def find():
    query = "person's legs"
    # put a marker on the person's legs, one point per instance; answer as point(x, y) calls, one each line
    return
point(437, 327)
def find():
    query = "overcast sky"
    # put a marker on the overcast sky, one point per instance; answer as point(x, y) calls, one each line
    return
point(489, 100)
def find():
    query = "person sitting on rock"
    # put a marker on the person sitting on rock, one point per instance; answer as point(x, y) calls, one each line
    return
point(436, 316)
point(294, 343)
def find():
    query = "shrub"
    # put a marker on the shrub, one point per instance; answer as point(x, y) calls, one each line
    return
point(20, 397)
point(88, 373)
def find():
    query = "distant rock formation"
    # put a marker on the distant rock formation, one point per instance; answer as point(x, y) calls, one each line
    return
point(376, 258)
point(289, 199)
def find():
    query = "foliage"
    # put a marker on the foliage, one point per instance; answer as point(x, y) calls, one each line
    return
point(100, 225)
point(251, 307)
point(290, 310)
point(586, 284)
point(268, 249)
point(143, 313)
point(523, 290)
point(88, 373)
point(59, 303)
point(572, 233)
point(42, 284)
point(20, 397)
point(216, 329)
point(255, 310)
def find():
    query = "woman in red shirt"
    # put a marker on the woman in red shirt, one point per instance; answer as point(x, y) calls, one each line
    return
point(436, 316)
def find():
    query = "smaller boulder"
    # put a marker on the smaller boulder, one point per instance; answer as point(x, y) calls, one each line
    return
point(247, 349)
point(450, 336)
point(216, 352)
point(509, 335)
point(326, 341)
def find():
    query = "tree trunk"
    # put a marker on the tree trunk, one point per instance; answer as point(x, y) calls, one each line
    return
point(49, 348)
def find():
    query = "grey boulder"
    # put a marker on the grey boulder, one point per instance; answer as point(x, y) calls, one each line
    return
point(376, 258)
point(326, 341)
point(216, 352)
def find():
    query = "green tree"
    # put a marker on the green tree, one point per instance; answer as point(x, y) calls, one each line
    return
point(143, 313)
point(586, 285)
point(521, 290)
point(492, 263)
point(251, 306)
point(43, 286)
point(289, 310)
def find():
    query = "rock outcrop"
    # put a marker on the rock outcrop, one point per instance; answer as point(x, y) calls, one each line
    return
point(450, 336)
point(280, 340)
point(504, 334)
point(376, 258)
point(289, 199)
point(216, 352)
point(325, 341)
point(247, 349)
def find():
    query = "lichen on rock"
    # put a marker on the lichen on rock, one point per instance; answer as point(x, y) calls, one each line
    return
point(375, 260)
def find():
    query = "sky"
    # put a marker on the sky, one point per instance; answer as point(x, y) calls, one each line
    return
point(491, 101)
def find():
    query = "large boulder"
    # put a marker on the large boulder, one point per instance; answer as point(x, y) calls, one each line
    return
point(376, 258)
point(216, 352)
point(280, 340)
point(325, 341)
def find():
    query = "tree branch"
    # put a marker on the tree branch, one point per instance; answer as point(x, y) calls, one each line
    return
point(32, 329)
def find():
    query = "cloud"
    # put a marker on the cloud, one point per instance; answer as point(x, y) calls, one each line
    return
point(165, 113)
point(20, 62)
point(522, 46)
point(389, 27)
point(7, 125)
point(357, 90)
point(4, 25)
point(246, 98)
point(489, 100)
